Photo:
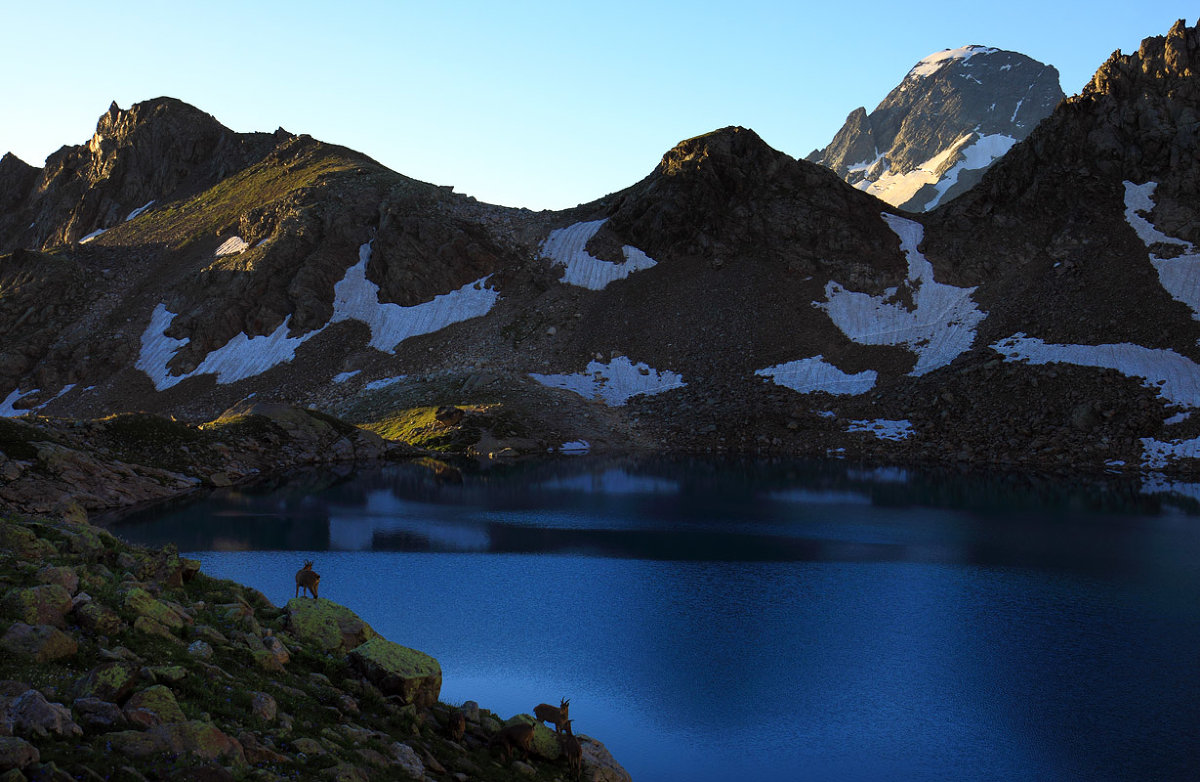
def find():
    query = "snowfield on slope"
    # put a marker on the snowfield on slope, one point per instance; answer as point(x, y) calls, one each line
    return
point(355, 298)
point(807, 375)
point(940, 326)
point(934, 62)
point(1180, 276)
point(568, 247)
point(615, 382)
point(977, 152)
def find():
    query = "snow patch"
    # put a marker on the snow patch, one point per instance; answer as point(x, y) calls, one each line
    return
point(384, 382)
point(1179, 276)
point(1157, 454)
point(934, 62)
point(615, 382)
point(980, 154)
point(139, 210)
point(1174, 377)
point(355, 298)
point(234, 245)
point(575, 448)
point(342, 377)
point(940, 326)
point(7, 407)
point(883, 428)
point(807, 375)
point(568, 247)
point(92, 235)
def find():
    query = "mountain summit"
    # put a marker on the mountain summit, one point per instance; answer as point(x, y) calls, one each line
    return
point(932, 137)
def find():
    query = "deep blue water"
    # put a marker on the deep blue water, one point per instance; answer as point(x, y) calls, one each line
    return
point(717, 621)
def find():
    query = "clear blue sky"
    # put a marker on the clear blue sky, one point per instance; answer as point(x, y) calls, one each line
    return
point(536, 104)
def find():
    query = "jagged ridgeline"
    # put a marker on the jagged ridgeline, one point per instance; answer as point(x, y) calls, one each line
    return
point(734, 299)
point(118, 662)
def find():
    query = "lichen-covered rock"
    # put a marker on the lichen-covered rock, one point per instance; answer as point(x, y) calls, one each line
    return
point(40, 643)
point(108, 682)
point(144, 624)
point(23, 542)
point(194, 738)
point(327, 625)
point(98, 618)
point(153, 706)
point(48, 604)
point(397, 670)
point(16, 753)
point(33, 715)
point(201, 650)
point(142, 603)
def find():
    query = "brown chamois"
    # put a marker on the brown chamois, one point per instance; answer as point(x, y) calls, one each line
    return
point(306, 579)
point(457, 725)
point(572, 750)
point(547, 713)
point(518, 736)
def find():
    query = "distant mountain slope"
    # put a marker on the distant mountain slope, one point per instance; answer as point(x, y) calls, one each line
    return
point(733, 299)
point(932, 137)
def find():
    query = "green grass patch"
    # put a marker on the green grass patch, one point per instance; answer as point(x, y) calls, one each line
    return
point(418, 426)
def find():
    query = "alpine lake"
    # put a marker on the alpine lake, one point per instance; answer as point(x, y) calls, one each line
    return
point(713, 620)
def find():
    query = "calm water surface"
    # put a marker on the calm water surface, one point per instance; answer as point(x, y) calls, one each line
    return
point(717, 621)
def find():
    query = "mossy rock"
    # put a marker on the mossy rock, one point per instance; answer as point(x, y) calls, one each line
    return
point(23, 542)
point(110, 682)
point(40, 643)
point(144, 604)
point(545, 742)
point(327, 625)
point(48, 604)
point(397, 670)
point(158, 701)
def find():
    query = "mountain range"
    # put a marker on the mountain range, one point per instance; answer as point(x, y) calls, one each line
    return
point(735, 299)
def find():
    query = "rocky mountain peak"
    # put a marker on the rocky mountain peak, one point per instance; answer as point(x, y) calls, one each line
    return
point(952, 115)
point(155, 150)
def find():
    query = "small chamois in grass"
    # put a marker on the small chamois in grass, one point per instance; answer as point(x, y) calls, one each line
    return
point(307, 580)
point(547, 713)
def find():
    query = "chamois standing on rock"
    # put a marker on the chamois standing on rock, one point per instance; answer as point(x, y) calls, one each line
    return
point(547, 713)
point(306, 579)
point(519, 736)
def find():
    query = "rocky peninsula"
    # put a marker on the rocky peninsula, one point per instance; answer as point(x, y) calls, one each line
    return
point(124, 663)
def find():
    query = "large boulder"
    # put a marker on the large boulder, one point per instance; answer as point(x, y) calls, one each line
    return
point(33, 715)
point(109, 682)
point(153, 706)
point(327, 625)
point(195, 739)
point(397, 670)
point(40, 643)
point(598, 763)
point(144, 604)
point(48, 604)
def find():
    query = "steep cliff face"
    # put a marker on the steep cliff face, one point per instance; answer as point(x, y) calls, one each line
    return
point(932, 137)
point(153, 151)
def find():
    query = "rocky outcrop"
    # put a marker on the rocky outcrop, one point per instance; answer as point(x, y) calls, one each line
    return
point(134, 705)
point(55, 466)
point(950, 118)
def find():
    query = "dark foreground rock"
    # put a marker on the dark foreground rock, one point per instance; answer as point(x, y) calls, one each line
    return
point(131, 664)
